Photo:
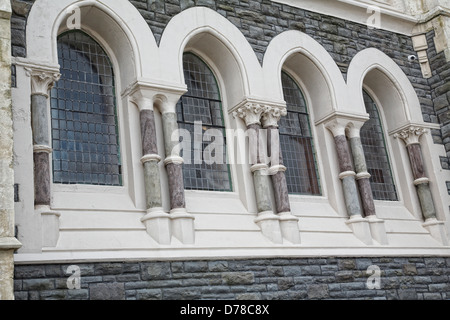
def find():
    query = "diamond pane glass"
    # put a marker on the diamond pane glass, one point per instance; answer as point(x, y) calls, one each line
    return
point(83, 113)
point(296, 142)
point(372, 139)
point(200, 111)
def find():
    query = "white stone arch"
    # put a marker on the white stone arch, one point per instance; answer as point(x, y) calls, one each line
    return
point(320, 75)
point(374, 69)
point(116, 24)
point(220, 42)
point(399, 108)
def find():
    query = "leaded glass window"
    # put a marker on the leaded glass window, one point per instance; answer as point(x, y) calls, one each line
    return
point(372, 139)
point(84, 118)
point(296, 142)
point(201, 106)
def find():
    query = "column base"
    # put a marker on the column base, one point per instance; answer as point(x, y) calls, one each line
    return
point(377, 229)
point(50, 225)
point(157, 223)
point(360, 228)
point(289, 227)
point(269, 224)
point(183, 225)
point(437, 230)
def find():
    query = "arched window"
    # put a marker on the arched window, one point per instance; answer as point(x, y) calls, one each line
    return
point(199, 111)
point(296, 142)
point(84, 118)
point(372, 139)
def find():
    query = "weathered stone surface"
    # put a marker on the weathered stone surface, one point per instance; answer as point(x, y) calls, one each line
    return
point(148, 132)
point(234, 278)
point(426, 201)
point(344, 155)
point(107, 291)
point(366, 195)
point(152, 184)
point(261, 182)
point(415, 158)
point(341, 278)
point(39, 120)
point(176, 185)
point(318, 291)
point(351, 196)
point(41, 178)
point(281, 192)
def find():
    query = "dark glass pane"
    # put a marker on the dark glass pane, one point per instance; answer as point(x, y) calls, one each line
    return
point(296, 142)
point(202, 103)
point(377, 159)
point(83, 110)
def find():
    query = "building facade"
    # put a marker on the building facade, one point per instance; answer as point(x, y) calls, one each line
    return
point(226, 149)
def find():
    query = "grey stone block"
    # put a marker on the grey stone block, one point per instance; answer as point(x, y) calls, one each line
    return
point(237, 278)
point(107, 291)
point(318, 291)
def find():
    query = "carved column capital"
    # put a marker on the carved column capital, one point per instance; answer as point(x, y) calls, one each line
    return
point(42, 80)
point(250, 112)
point(337, 127)
point(272, 115)
point(410, 135)
point(142, 102)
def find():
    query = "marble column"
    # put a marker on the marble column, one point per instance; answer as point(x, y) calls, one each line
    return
point(377, 227)
point(42, 80)
point(268, 222)
point(347, 176)
point(157, 222)
point(8, 242)
point(182, 221)
point(288, 222)
point(411, 138)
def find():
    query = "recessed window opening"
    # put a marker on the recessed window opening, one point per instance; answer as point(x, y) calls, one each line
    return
point(297, 145)
point(85, 135)
point(201, 106)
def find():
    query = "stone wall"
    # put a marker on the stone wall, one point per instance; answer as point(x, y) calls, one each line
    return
point(262, 279)
point(440, 92)
point(7, 241)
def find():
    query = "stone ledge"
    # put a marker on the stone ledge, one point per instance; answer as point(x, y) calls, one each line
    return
point(8, 243)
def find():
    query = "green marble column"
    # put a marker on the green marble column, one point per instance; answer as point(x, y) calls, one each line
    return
point(182, 222)
point(269, 223)
point(411, 137)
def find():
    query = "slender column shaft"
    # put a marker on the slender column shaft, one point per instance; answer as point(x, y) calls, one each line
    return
point(173, 161)
point(347, 175)
point(42, 150)
point(411, 136)
point(416, 160)
point(41, 141)
point(279, 183)
point(41, 82)
point(259, 169)
point(362, 176)
point(148, 132)
point(421, 181)
point(150, 160)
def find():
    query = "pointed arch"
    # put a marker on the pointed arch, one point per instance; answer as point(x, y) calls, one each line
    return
point(117, 23)
point(374, 69)
point(305, 56)
point(217, 39)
